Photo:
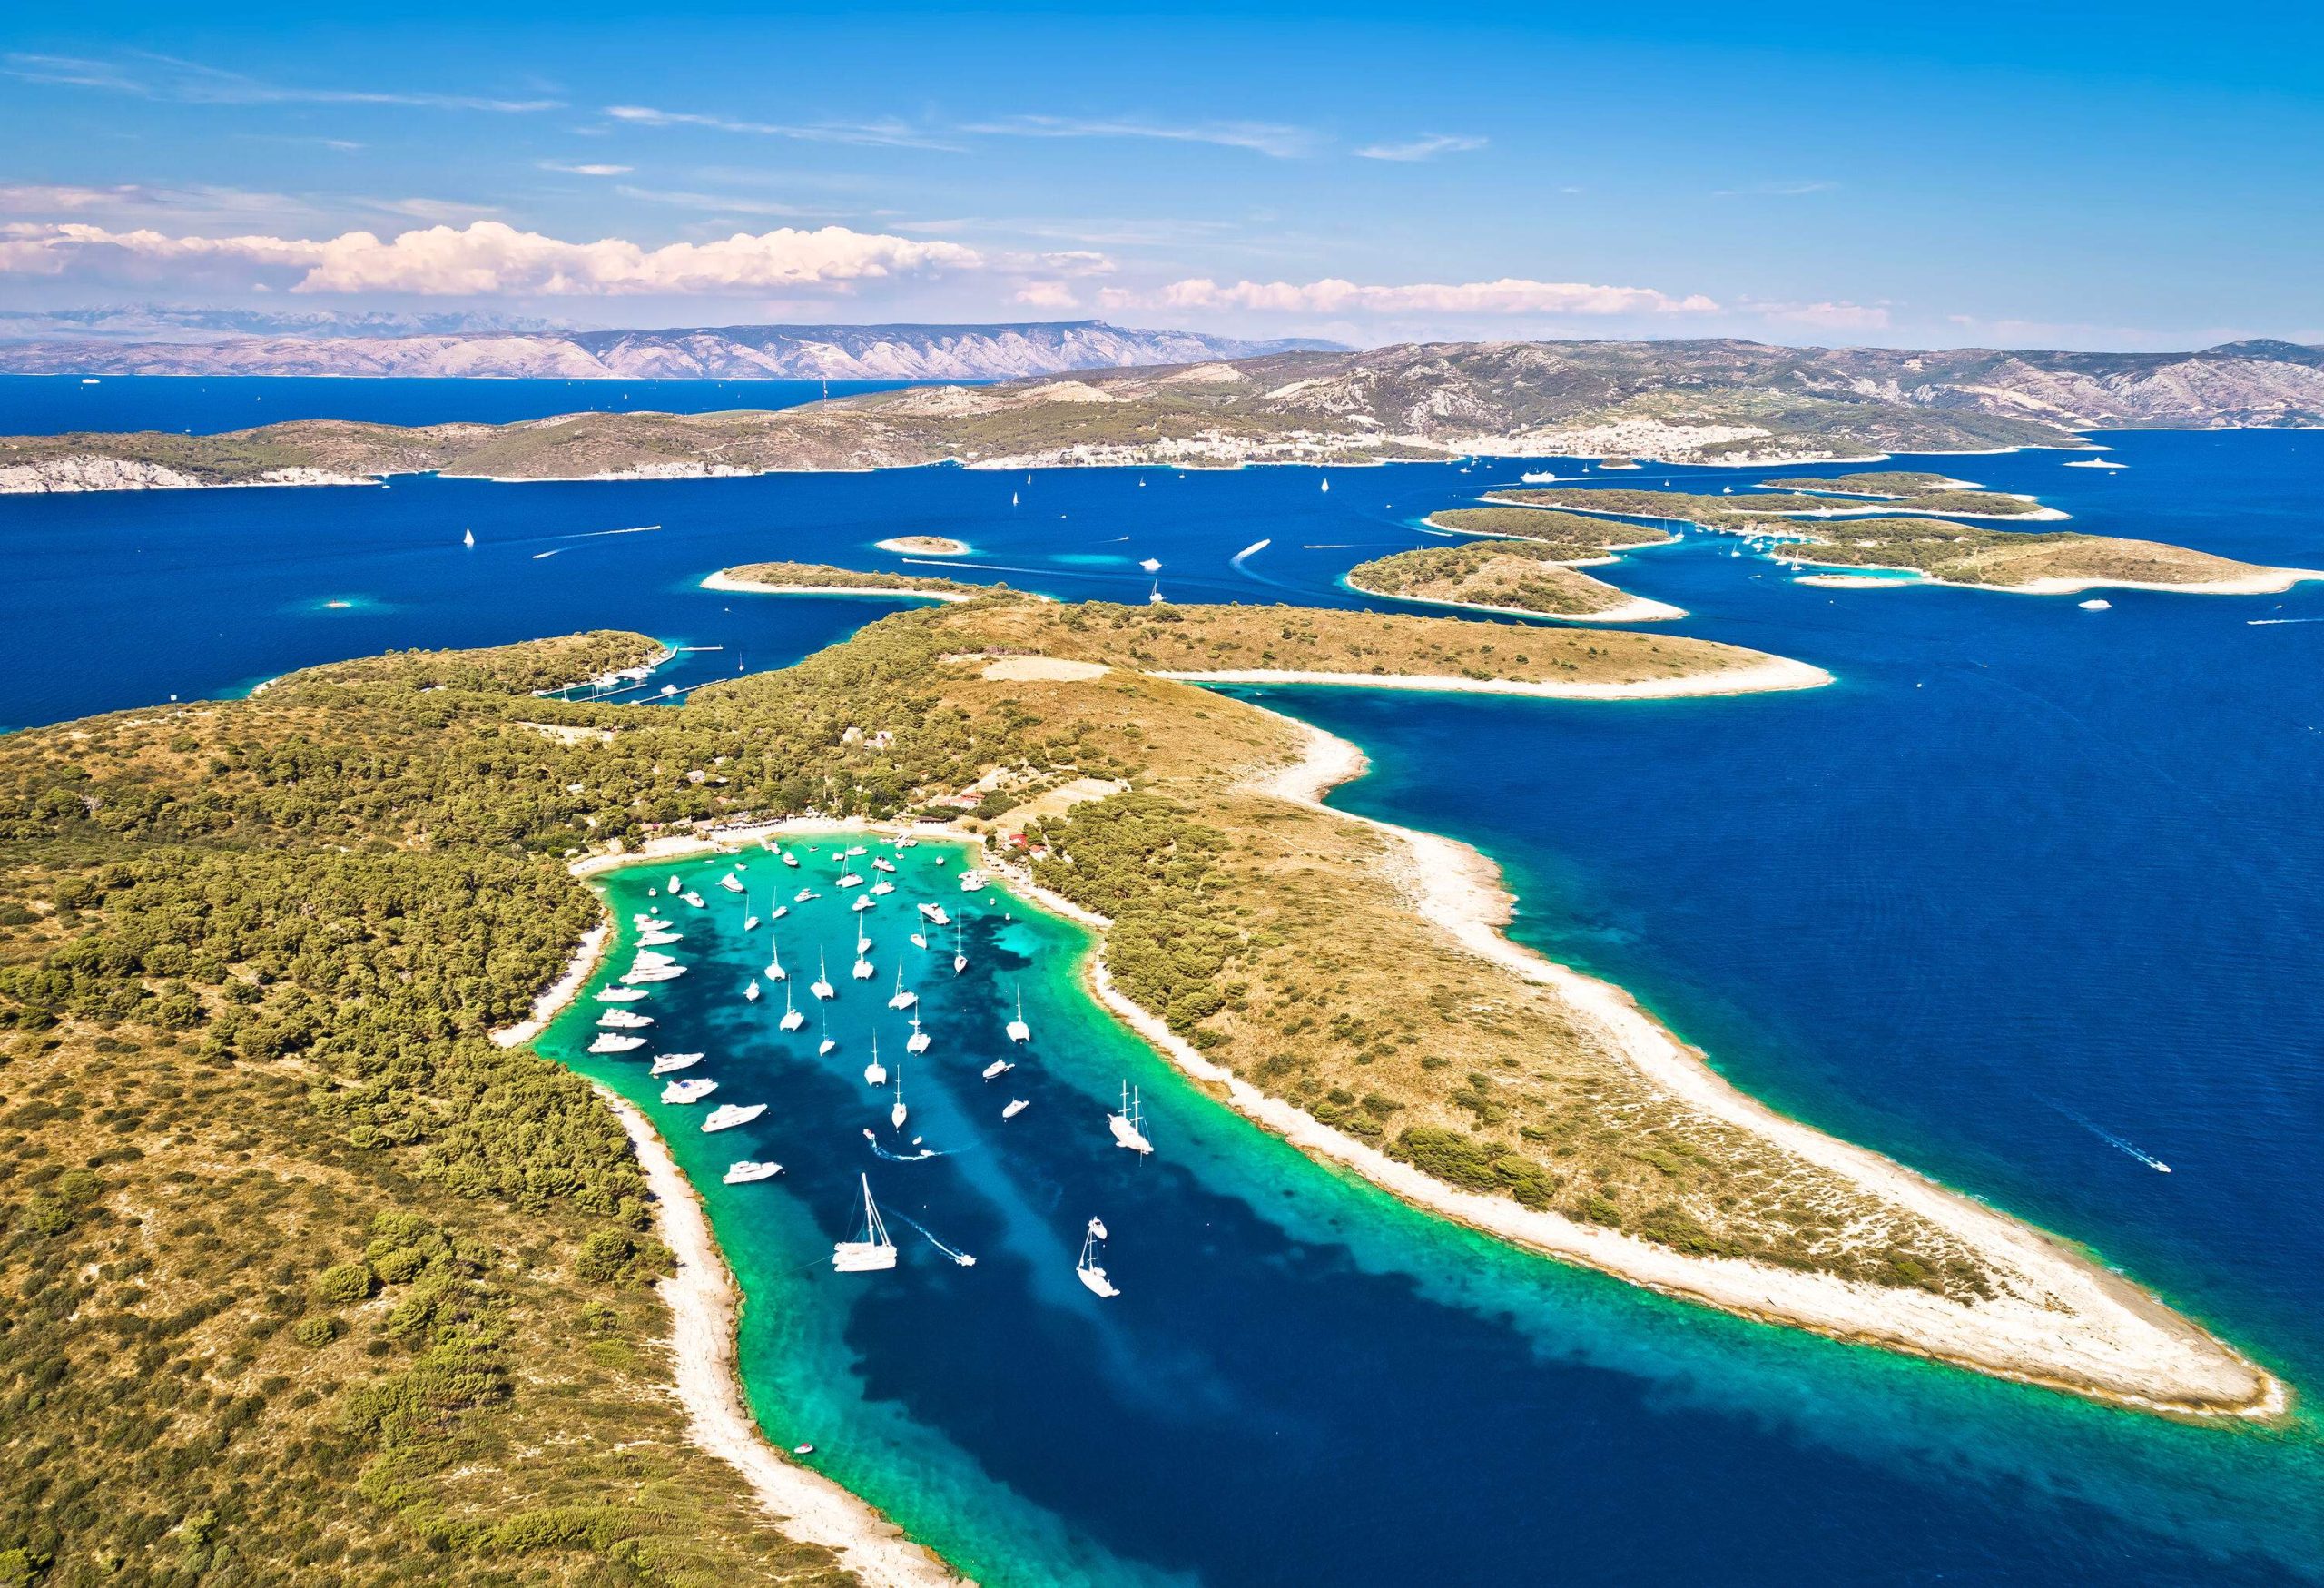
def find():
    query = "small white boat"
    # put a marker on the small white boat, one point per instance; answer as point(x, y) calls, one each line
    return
point(610, 1042)
point(691, 1091)
point(997, 1068)
point(854, 851)
point(903, 997)
point(972, 882)
point(751, 992)
point(881, 890)
point(881, 863)
point(848, 879)
point(875, 1251)
point(2095, 606)
point(960, 960)
point(791, 860)
point(624, 1020)
point(865, 903)
point(620, 994)
point(1016, 1106)
point(676, 883)
point(694, 900)
point(744, 1172)
point(821, 985)
point(1152, 564)
point(655, 940)
point(731, 883)
point(919, 941)
point(1019, 1032)
point(726, 1116)
point(934, 916)
point(875, 1073)
point(664, 1063)
point(750, 924)
point(803, 895)
point(1130, 1126)
point(780, 911)
point(1090, 1270)
point(792, 1019)
point(862, 943)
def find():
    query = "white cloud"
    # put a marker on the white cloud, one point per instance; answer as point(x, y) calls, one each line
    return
point(886, 134)
point(588, 169)
point(1777, 190)
point(492, 258)
point(1046, 295)
point(1507, 296)
point(1282, 142)
point(1427, 146)
point(442, 210)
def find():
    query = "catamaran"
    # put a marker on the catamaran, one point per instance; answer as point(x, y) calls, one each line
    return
point(917, 1041)
point(863, 972)
point(1019, 1032)
point(726, 1116)
point(847, 877)
point(903, 997)
point(1091, 1271)
point(792, 1019)
point(821, 985)
point(875, 1250)
point(609, 1042)
point(742, 1171)
point(1130, 1126)
point(875, 1073)
point(882, 888)
point(666, 1062)
point(693, 1090)
point(864, 903)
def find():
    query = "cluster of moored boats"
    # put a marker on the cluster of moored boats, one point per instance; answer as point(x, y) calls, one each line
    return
point(621, 1025)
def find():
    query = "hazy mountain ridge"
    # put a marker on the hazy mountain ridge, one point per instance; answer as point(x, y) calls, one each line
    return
point(747, 352)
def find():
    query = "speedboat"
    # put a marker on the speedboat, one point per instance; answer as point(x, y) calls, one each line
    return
point(726, 1116)
point(744, 1172)
point(997, 1068)
point(1016, 1106)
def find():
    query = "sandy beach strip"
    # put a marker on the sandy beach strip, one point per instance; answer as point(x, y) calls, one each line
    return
point(1770, 674)
point(561, 992)
point(720, 581)
point(701, 1296)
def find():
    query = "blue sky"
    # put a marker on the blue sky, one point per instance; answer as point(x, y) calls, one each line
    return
point(2030, 176)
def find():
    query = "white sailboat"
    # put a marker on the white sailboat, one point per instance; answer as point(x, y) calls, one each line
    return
point(1130, 1126)
point(821, 985)
point(847, 877)
point(828, 1043)
point(863, 970)
point(468, 536)
point(960, 960)
point(882, 888)
point(751, 992)
point(917, 1043)
point(875, 1251)
point(920, 940)
point(875, 1073)
point(792, 1019)
point(750, 924)
point(1089, 1270)
point(1019, 1032)
point(897, 1114)
point(903, 997)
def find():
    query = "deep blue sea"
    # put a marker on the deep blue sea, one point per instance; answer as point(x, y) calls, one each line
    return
point(2029, 887)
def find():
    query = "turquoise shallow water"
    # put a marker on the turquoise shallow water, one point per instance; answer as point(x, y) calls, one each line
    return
point(2025, 879)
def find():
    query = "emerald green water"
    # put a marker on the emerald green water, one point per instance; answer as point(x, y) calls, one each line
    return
point(1303, 1376)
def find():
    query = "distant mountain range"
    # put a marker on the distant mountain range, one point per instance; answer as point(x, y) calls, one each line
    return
point(182, 343)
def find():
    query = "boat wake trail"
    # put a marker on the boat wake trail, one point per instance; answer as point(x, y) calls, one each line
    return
point(1256, 547)
point(538, 555)
point(2112, 1140)
point(2264, 622)
point(880, 1151)
point(960, 1258)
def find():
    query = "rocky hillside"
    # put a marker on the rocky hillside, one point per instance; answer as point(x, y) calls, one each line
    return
point(733, 352)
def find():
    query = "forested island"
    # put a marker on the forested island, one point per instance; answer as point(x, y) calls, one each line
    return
point(313, 1280)
point(810, 579)
point(1529, 562)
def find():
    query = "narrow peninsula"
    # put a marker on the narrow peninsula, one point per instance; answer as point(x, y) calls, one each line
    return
point(251, 954)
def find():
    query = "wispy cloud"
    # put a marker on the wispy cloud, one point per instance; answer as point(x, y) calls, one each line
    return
point(1333, 296)
point(166, 77)
point(444, 212)
point(1270, 138)
point(592, 169)
point(886, 132)
point(1821, 316)
point(717, 204)
point(1776, 189)
point(1427, 146)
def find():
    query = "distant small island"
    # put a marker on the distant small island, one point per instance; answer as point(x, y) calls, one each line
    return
point(815, 578)
point(1709, 511)
point(1527, 564)
point(1882, 482)
point(925, 546)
